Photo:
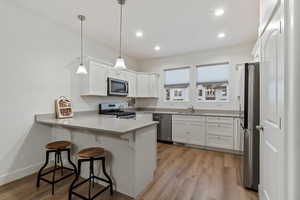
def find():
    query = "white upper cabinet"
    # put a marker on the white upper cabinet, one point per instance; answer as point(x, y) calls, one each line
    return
point(147, 85)
point(95, 82)
point(116, 73)
point(144, 85)
point(267, 9)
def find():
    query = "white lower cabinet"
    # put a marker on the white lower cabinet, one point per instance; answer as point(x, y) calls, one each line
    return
point(220, 132)
point(215, 132)
point(188, 129)
point(144, 116)
point(217, 141)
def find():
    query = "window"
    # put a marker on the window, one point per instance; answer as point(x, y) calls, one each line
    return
point(213, 82)
point(177, 83)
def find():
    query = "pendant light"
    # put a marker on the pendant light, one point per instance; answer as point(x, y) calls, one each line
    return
point(120, 63)
point(81, 68)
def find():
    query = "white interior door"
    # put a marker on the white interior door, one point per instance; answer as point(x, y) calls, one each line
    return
point(272, 105)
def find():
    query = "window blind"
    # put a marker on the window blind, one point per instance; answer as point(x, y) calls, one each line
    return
point(214, 73)
point(179, 77)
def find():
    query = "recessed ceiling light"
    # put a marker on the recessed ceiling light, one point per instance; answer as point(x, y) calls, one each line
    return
point(219, 12)
point(157, 48)
point(139, 34)
point(221, 35)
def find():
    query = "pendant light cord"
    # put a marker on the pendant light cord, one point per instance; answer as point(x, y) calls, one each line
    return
point(121, 25)
point(81, 37)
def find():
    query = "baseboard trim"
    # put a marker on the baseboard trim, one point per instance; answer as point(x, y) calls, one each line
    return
point(20, 173)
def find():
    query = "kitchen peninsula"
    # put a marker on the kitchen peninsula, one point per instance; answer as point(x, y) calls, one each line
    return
point(131, 145)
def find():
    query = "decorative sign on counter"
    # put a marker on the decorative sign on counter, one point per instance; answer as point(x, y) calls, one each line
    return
point(63, 108)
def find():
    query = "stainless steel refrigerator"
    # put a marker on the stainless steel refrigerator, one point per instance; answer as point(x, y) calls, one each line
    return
point(250, 114)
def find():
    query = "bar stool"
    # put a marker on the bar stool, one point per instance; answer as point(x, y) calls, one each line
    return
point(90, 155)
point(57, 148)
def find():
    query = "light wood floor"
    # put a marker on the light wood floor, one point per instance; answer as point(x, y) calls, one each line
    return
point(182, 174)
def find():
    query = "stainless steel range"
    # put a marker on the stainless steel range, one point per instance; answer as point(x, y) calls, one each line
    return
point(115, 110)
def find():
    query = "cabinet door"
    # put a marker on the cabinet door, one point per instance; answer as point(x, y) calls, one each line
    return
point(179, 131)
point(116, 73)
point(143, 88)
point(196, 133)
point(98, 79)
point(153, 85)
point(238, 135)
point(144, 116)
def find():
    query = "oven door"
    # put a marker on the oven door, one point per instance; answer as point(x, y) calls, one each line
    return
point(117, 87)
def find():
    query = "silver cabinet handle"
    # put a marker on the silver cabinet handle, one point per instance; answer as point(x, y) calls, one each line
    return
point(260, 128)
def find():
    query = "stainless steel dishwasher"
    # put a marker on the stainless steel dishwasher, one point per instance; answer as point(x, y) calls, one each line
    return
point(164, 128)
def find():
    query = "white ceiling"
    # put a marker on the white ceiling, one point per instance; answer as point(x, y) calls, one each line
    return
point(178, 26)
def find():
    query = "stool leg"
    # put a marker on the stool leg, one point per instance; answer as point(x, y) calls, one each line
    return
point(61, 163)
point(92, 173)
point(76, 178)
point(90, 177)
point(107, 176)
point(55, 166)
point(70, 161)
point(43, 167)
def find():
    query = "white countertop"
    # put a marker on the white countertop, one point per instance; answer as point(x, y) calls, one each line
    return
point(95, 122)
point(216, 113)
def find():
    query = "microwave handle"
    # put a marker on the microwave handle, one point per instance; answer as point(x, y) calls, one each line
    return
point(127, 87)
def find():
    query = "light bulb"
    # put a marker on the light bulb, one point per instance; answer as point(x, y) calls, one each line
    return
point(219, 12)
point(81, 69)
point(120, 64)
point(221, 35)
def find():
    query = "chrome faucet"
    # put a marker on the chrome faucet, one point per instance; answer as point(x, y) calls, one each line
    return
point(192, 109)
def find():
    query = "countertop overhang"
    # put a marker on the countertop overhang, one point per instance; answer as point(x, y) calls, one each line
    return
point(94, 122)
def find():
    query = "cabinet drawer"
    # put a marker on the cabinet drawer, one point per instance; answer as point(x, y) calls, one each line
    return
point(220, 129)
point(226, 120)
point(189, 118)
point(220, 141)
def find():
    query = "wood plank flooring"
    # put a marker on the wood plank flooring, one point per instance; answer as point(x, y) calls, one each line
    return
point(183, 174)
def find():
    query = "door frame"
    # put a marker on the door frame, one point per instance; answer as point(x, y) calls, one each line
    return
point(292, 98)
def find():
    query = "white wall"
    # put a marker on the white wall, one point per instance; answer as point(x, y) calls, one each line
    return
point(233, 55)
point(37, 65)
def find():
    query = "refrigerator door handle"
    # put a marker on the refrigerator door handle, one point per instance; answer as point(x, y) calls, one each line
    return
point(260, 128)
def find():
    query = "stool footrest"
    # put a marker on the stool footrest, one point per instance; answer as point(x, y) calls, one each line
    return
point(93, 197)
point(58, 168)
point(58, 180)
point(86, 180)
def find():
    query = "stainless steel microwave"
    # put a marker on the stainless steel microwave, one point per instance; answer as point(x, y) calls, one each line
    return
point(117, 87)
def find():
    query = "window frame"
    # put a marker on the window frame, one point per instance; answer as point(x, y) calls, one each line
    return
point(170, 87)
point(213, 82)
